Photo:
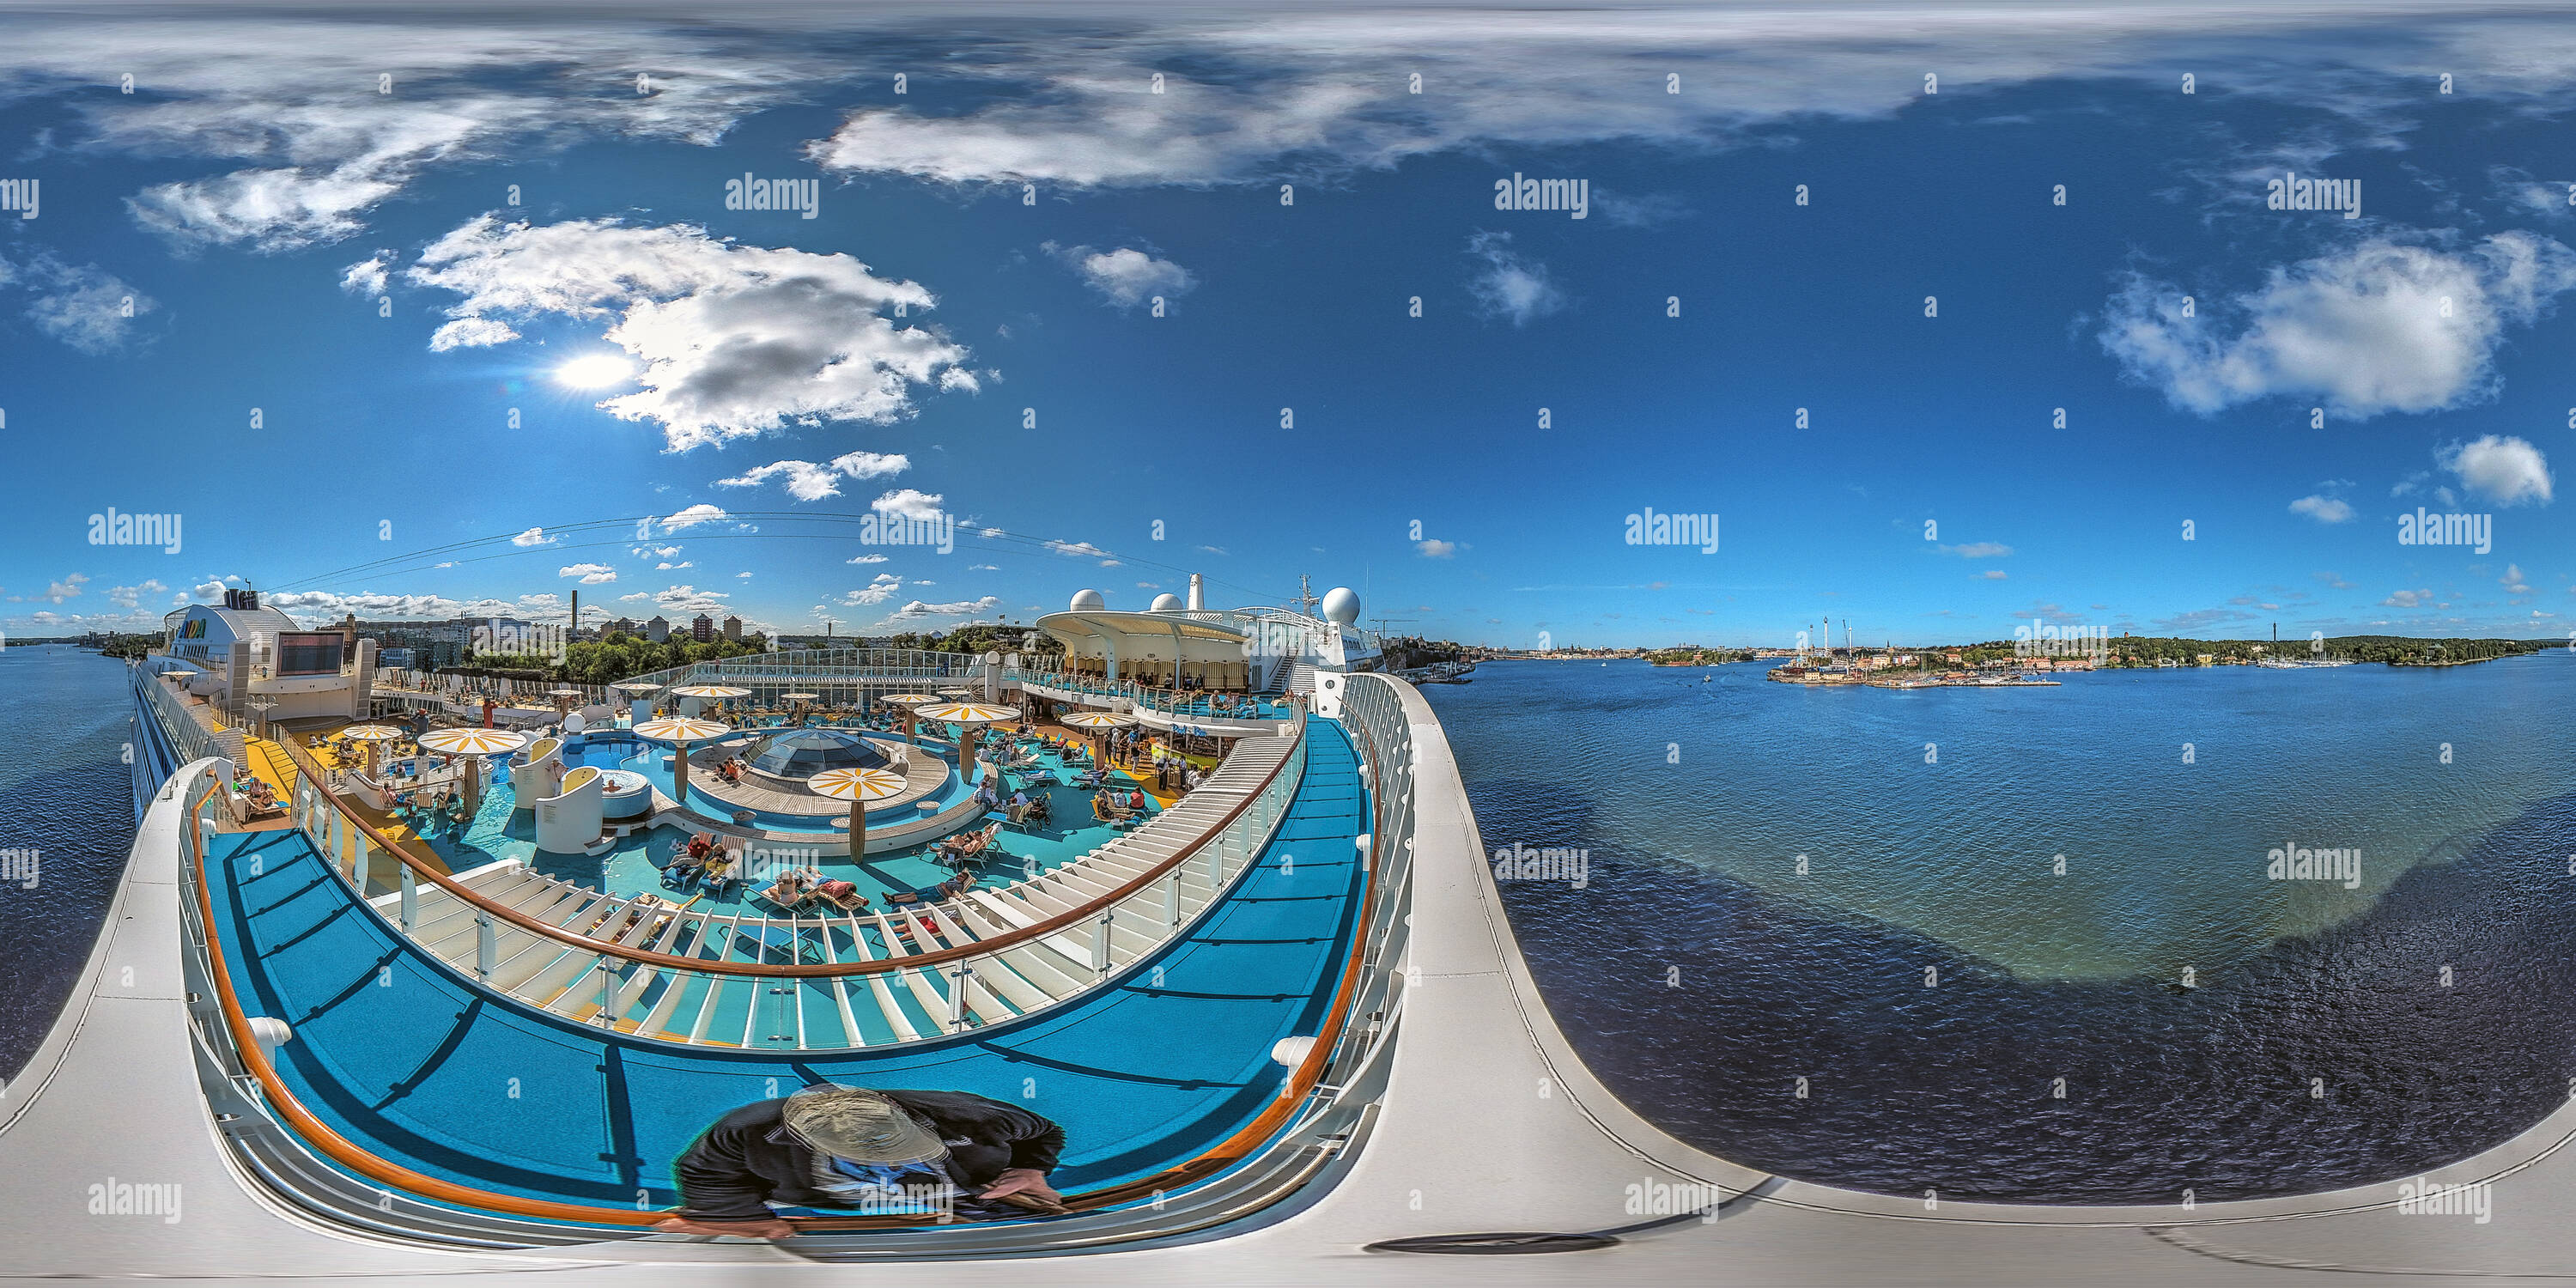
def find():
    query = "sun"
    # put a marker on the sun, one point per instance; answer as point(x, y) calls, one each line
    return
point(597, 371)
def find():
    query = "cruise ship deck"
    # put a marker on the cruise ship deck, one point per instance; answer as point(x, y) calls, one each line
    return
point(398, 1055)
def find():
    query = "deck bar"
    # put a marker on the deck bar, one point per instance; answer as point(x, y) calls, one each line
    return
point(484, 947)
point(957, 997)
point(607, 990)
point(1100, 945)
point(1172, 899)
point(410, 898)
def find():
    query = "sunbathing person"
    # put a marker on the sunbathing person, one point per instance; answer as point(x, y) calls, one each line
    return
point(841, 895)
point(792, 888)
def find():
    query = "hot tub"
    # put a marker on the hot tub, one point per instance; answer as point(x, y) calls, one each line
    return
point(625, 795)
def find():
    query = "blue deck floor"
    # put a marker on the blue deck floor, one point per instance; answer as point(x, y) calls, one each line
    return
point(419, 1068)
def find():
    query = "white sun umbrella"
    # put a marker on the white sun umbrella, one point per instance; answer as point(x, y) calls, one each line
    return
point(716, 692)
point(910, 702)
point(473, 743)
point(1099, 723)
point(858, 787)
point(974, 716)
point(680, 732)
point(371, 735)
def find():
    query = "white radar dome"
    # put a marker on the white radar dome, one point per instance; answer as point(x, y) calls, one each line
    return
point(1342, 604)
point(1087, 600)
point(1167, 602)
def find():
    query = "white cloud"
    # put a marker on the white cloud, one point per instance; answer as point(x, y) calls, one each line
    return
point(329, 606)
point(734, 340)
point(690, 599)
point(868, 559)
point(2507, 471)
point(875, 592)
point(68, 588)
point(693, 516)
point(591, 574)
point(654, 552)
point(83, 306)
point(2513, 582)
point(2323, 509)
point(1994, 574)
point(1433, 548)
point(2363, 329)
point(1509, 285)
point(367, 277)
point(2407, 599)
point(1214, 550)
point(742, 574)
point(470, 333)
point(294, 96)
point(667, 565)
point(917, 610)
point(1126, 277)
point(1079, 549)
point(807, 481)
point(1978, 550)
point(130, 598)
point(532, 537)
point(909, 503)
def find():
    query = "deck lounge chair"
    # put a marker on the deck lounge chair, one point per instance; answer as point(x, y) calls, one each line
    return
point(788, 893)
point(841, 895)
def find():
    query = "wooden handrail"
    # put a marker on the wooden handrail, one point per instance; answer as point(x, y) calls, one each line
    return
point(789, 970)
point(341, 1150)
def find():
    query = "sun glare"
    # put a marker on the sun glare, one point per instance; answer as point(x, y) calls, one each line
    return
point(598, 371)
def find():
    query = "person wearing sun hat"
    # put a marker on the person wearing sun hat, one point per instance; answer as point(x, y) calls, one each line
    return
point(831, 1146)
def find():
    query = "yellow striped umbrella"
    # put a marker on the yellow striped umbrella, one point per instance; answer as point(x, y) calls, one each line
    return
point(858, 787)
point(910, 702)
point(973, 715)
point(371, 735)
point(711, 691)
point(1099, 723)
point(682, 731)
point(968, 713)
point(473, 742)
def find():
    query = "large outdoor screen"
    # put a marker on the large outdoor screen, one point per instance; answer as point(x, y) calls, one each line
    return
point(308, 653)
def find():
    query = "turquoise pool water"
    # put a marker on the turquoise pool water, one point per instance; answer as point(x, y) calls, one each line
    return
point(633, 864)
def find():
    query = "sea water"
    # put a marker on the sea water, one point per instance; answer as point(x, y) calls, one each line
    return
point(2050, 944)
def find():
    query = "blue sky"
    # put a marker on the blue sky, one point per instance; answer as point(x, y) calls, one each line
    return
point(348, 263)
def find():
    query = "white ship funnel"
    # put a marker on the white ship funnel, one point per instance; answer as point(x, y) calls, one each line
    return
point(1198, 593)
